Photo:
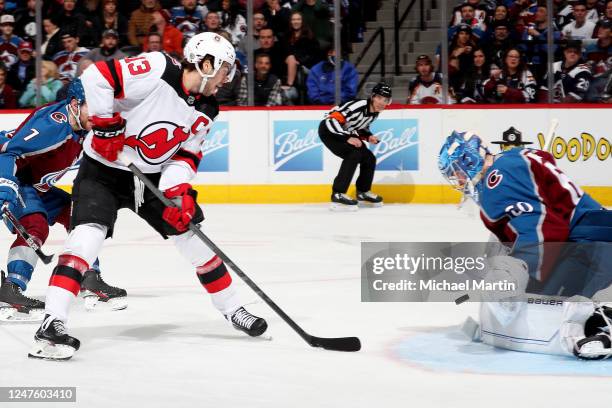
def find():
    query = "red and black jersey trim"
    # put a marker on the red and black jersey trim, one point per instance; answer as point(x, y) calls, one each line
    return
point(111, 71)
point(192, 159)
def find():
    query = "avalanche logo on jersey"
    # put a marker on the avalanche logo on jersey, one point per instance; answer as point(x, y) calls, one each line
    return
point(159, 141)
point(49, 180)
point(296, 145)
point(215, 149)
point(494, 178)
point(398, 148)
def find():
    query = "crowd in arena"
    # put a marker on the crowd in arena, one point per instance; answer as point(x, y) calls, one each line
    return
point(498, 53)
point(293, 40)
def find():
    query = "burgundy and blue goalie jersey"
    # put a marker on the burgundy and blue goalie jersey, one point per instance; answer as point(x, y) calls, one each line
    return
point(527, 200)
point(42, 149)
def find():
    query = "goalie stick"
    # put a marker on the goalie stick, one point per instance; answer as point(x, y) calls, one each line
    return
point(334, 343)
point(8, 215)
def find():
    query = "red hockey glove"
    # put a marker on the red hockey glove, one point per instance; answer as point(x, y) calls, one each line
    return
point(108, 136)
point(178, 217)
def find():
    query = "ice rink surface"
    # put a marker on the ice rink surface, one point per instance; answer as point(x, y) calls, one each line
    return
point(171, 348)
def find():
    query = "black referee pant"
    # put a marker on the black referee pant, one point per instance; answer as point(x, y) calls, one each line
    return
point(351, 157)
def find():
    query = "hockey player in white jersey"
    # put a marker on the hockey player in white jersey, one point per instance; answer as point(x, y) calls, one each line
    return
point(156, 112)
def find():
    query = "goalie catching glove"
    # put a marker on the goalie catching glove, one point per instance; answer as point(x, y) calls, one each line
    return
point(108, 136)
point(185, 198)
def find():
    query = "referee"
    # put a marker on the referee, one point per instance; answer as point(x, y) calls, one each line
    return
point(344, 131)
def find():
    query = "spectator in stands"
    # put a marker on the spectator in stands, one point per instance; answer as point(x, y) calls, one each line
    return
point(212, 22)
point(302, 48)
point(501, 42)
point(90, 8)
point(468, 16)
point(522, 10)
point(277, 16)
point(7, 94)
point(514, 83)
point(316, 16)
point(71, 19)
point(572, 77)
point(48, 91)
point(426, 88)
point(277, 53)
point(471, 89)
point(480, 12)
point(188, 18)
point(535, 45)
point(460, 53)
point(8, 41)
point(598, 53)
point(606, 17)
point(259, 22)
point(25, 21)
point(600, 49)
point(107, 50)
point(232, 21)
point(562, 13)
point(593, 10)
point(172, 38)
point(111, 19)
point(68, 59)
point(267, 90)
point(500, 13)
point(580, 28)
point(141, 21)
point(153, 43)
point(24, 69)
point(321, 83)
point(52, 43)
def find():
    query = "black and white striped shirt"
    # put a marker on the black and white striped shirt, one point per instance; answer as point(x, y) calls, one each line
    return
point(354, 115)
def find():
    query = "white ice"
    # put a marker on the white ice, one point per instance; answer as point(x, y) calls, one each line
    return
point(170, 348)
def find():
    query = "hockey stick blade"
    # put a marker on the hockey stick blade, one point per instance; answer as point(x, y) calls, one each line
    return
point(336, 344)
point(8, 215)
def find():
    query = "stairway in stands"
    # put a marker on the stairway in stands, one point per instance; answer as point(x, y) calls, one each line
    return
point(413, 42)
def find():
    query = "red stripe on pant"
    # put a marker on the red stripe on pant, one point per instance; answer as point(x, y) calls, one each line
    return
point(74, 262)
point(219, 284)
point(65, 282)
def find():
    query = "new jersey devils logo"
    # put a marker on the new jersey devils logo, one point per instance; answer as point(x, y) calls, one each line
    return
point(158, 141)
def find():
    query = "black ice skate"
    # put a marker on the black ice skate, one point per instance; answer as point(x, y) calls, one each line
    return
point(15, 306)
point(100, 295)
point(342, 202)
point(369, 199)
point(52, 342)
point(250, 324)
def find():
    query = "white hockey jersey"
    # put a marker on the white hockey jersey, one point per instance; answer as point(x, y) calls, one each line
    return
point(165, 126)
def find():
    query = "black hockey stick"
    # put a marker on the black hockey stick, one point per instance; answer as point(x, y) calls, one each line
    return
point(336, 343)
point(7, 214)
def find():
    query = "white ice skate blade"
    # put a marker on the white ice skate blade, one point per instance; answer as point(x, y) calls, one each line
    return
point(343, 207)
point(367, 204)
point(47, 351)
point(93, 303)
point(11, 315)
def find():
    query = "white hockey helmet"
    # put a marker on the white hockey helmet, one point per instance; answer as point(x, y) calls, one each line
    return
point(203, 44)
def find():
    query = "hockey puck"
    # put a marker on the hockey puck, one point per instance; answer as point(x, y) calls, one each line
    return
point(462, 298)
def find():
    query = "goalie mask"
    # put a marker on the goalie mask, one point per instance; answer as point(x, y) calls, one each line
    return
point(210, 44)
point(461, 162)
